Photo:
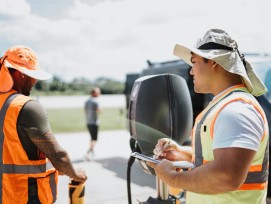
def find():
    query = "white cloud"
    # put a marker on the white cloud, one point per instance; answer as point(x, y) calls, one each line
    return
point(111, 38)
point(14, 8)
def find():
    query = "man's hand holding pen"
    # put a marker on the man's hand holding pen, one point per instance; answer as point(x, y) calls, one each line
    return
point(166, 149)
point(169, 150)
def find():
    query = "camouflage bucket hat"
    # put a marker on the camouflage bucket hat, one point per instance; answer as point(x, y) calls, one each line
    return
point(218, 46)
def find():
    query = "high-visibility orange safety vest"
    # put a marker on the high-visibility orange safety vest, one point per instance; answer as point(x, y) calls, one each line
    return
point(15, 167)
point(254, 189)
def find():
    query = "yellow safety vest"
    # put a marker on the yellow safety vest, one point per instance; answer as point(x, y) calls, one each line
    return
point(15, 167)
point(254, 189)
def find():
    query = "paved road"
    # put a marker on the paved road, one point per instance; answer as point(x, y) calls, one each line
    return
point(106, 182)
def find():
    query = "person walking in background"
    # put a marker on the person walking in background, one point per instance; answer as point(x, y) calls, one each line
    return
point(230, 136)
point(91, 110)
point(30, 156)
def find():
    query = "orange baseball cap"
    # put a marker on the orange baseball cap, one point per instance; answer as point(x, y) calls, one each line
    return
point(23, 59)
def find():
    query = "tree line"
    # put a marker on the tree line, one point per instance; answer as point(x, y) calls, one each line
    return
point(78, 86)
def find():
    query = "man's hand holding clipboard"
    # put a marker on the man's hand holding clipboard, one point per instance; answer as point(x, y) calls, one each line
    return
point(177, 164)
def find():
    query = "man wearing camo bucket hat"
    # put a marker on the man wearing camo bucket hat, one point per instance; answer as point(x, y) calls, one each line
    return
point(230, 136)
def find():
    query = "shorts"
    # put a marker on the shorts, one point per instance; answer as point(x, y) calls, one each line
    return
point(93, 131)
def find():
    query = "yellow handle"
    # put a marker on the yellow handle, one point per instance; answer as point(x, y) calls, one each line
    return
point(77, 194)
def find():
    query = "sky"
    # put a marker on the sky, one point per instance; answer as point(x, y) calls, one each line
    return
point(112, 38)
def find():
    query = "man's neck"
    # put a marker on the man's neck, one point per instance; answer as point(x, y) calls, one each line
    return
point(225, 83)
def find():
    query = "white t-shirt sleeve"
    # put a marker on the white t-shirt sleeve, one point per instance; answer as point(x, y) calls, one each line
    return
point(238, 125)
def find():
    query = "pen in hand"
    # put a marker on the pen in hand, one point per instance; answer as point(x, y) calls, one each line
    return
point(164, 147)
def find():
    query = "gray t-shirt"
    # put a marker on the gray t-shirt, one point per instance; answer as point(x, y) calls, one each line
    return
point(91, 108)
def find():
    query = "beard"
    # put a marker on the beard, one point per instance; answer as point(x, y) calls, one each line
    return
point(26, 92)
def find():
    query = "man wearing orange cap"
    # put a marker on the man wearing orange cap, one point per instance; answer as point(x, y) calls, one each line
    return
point(30, 156)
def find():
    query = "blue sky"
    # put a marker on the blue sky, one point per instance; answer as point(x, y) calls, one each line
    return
point(93, 38)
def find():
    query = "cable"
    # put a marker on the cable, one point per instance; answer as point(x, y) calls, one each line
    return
point(130, 163)
point(135, 148)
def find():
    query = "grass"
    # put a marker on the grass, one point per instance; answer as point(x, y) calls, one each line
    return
point(73, 119)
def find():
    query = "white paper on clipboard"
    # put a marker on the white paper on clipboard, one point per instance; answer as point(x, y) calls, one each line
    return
point(179, 164)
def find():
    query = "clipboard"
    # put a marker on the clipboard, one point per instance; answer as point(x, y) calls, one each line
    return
point(178, 164)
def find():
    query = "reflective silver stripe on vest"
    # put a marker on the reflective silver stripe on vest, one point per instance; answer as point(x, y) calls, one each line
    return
point(25, 169)
point(20, 169)
point(198, 145)
point(2, 117)
point(252, 177)
point(53, 186)
point(260, 176)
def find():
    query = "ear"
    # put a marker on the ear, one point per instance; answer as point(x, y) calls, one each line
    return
point(214, 64)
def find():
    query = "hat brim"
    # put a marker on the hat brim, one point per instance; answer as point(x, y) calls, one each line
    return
point(36, 74)
point(227, 59)
point(232, 64)
point(184, 52)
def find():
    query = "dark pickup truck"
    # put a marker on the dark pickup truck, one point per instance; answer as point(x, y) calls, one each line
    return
point(261, 63)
